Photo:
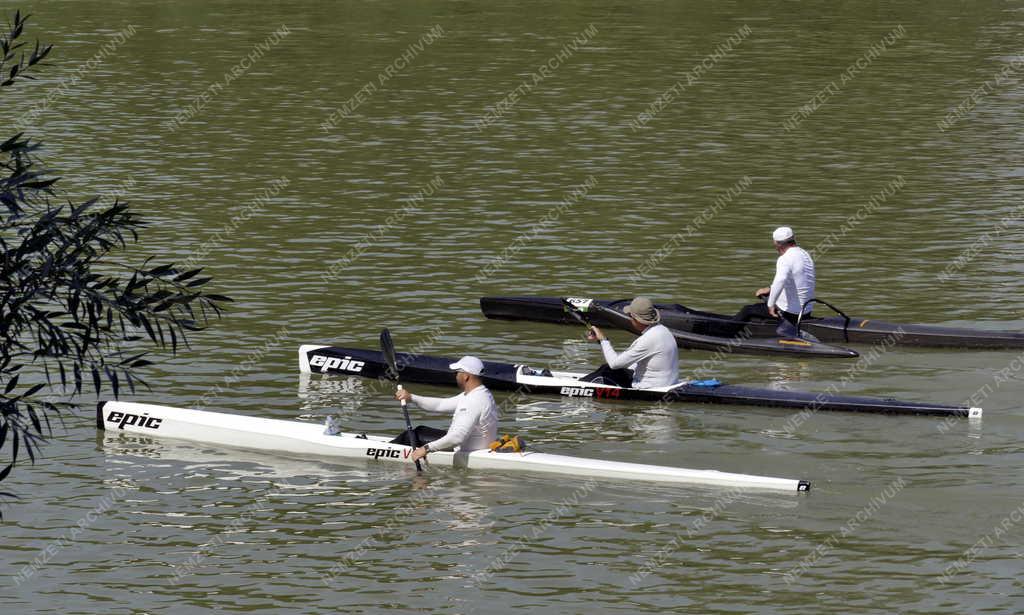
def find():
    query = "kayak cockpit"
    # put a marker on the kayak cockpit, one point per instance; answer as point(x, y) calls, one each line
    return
point(528, 376)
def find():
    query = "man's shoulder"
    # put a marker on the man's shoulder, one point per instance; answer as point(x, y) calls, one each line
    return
point(806, 257)
point(796, 253)
point(661, 330)
point(480, 390)
point(481, 397)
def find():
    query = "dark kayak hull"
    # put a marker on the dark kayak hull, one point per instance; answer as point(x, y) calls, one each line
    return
point(497, 376)
point(609, 314)
point(741, 343)
point(829, 330)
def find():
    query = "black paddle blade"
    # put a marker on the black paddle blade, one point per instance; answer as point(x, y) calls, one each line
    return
point(387, 347)
point(575, 312)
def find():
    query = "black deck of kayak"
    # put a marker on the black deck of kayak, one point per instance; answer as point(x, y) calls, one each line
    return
point(829, 329)
point(424, 369)
point(689, 333)
point(687, 338)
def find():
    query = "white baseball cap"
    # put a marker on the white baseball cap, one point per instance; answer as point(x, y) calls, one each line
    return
point(468, 364)
point(783, 233)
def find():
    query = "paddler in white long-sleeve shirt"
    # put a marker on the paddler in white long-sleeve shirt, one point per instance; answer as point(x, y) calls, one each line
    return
point(653, 357)
point(475, 415)
point(793, 285)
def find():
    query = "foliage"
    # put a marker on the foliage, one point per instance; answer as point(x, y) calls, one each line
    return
point(71, 317)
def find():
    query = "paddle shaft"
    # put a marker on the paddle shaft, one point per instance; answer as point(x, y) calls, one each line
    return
point(408, 423)
point(388, 350)
point(580, 318)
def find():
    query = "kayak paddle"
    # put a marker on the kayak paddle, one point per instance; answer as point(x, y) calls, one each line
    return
point(570, 306)
point(387, 347)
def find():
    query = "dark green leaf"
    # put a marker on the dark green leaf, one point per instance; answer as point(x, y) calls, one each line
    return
point(158, 271)
point(188, 274)
point(35, 419)
point(41, 185)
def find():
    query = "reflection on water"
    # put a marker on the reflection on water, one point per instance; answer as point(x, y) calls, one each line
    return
point(339, 396)
point(195, 460)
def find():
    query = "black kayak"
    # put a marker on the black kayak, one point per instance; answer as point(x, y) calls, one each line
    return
point(609, 314)
point(831, 329)
point(423, 369)
point(588, 309)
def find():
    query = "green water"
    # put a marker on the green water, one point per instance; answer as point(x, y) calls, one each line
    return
point(331, 256)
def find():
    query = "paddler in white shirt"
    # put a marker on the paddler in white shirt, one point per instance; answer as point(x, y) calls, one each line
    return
point(653, 357)
point(793, 285)
point(475, 414)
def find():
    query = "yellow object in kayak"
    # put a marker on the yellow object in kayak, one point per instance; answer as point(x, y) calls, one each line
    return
point(508, 444)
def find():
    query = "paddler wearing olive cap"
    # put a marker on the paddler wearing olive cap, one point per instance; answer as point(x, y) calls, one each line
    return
point(475, 415)
point(653, 357)
point(793, 285)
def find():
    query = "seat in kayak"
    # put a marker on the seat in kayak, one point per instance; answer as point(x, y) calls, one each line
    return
point(424, 435)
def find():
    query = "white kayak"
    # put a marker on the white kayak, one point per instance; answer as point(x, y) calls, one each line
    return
point(309, 439)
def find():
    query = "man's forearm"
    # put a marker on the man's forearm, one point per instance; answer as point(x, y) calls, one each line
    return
point(433, 404)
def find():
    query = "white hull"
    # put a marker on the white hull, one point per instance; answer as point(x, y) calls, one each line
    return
point(308, 439)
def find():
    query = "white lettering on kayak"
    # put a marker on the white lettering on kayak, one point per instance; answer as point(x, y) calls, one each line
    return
point(328, 363)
